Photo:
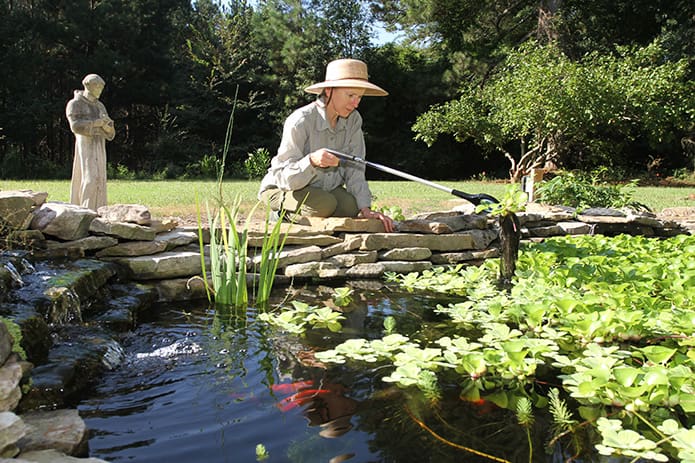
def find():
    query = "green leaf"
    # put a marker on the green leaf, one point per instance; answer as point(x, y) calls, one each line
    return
point(687, 402)
point(656, 376)
point(657, 354)
point(626, 376)
point(498, 398)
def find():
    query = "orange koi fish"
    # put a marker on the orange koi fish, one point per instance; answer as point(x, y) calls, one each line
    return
point(300, 398)
point(286, 388)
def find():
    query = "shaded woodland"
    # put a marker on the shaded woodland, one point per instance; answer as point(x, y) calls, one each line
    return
point(474, 86)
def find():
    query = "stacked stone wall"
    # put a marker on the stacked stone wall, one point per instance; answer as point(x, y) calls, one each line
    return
point(165, 255)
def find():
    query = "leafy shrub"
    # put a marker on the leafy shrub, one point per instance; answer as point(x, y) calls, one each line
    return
point(119, 172)
point(684, 174)
point(257, 163)
point(207, 167)
point(395, 212)
point(582, 190)
point(13, 165)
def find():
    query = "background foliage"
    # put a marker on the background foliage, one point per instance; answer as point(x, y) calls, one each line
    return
point(173, 67)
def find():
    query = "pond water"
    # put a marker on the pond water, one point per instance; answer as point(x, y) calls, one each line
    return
point(201, 386)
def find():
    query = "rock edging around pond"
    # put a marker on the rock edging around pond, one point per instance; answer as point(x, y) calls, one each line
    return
point(99, 271)
point(39, 436)
point(163, 256)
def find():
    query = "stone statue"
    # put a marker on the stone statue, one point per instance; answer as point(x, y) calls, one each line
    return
point(92, 126)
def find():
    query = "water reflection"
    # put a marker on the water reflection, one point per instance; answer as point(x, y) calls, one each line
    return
point(204, 385)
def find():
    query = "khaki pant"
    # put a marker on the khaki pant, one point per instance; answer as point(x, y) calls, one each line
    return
point(314, 202)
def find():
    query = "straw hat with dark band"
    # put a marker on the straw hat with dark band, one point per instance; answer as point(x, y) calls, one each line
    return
point(350, 73)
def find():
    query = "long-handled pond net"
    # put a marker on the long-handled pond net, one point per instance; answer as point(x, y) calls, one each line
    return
point(509, 223)
point(476, 199)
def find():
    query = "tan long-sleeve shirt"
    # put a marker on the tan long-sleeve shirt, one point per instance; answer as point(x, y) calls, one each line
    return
point(306, 130)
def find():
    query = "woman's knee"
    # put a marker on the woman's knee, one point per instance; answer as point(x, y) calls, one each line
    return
point(346, 203)
point(317, 203)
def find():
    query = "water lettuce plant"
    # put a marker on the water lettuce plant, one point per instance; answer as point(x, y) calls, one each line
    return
point(301, 316)
point(611, 321)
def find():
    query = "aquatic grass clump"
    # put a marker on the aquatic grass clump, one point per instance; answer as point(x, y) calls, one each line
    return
point(272, 245)
point(229, 258)
point(229, 246)
point(228, 255)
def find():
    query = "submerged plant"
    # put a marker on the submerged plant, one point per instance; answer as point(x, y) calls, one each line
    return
point(524, 415)
point(563, 422)
point(389, 325)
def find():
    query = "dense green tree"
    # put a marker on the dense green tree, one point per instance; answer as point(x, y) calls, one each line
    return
point(221, 82)
point(34, 50)
point(349, 23)
point(556, 109)
point(473, 35)
point(131, 44)
point(138, 44)
point(292, 44)
point(413, 78)
point(175, 69)
point(600, 25)
point(476, 38)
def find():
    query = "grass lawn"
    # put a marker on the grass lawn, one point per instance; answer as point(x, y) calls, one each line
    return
point(178, 198)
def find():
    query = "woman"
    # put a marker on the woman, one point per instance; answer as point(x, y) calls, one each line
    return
point(306, 179)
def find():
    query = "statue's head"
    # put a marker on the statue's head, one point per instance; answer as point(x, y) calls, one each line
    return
point(93, 84)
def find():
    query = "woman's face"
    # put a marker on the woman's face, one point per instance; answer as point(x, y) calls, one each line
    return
point(343, 101)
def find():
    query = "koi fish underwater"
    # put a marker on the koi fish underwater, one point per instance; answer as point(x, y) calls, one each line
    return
point(302, 395)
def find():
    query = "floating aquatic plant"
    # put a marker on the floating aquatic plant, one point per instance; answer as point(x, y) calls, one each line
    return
point(612, 318)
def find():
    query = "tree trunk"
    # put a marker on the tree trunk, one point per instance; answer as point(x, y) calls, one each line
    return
point(546, 20)
point(510, 235)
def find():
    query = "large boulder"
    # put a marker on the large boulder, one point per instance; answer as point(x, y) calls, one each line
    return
point(61, 430)
point(121, 230)
point(16, 208)
point(12, 429)
point(162, 266)
point(64, 221)
point(131, 213)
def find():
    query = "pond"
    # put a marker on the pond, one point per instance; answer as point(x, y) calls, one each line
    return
point(201, 385)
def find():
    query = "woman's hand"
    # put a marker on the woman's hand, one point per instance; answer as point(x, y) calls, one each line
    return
point(322, 158)
point(367, 213)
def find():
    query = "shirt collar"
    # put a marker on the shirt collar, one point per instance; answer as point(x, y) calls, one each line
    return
point(322, 121)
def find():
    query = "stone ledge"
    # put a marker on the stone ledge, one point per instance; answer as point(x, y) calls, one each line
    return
point(157, 251)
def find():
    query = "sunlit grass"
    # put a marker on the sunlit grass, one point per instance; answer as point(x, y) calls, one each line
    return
point(178, 198)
